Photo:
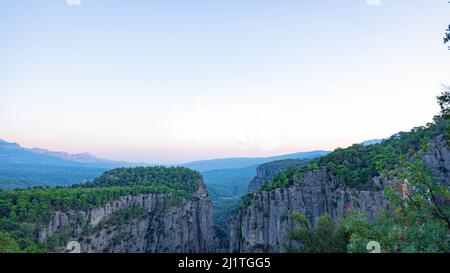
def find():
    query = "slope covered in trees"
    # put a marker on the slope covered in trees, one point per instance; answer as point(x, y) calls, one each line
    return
point(23, 212)
point(357, 165)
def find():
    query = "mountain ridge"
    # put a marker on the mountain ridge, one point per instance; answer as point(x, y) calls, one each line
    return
point(243, 162)
point(84, 157)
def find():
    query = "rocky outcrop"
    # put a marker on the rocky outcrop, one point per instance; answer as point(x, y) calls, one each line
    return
point(268, 171)
point(263, 222)
point(437, 159)
point(262, 226)
point(153, 224)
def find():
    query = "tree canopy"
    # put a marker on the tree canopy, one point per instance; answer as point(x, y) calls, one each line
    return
point(356, 165)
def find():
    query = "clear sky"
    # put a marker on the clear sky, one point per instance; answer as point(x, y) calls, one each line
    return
point(172, 81)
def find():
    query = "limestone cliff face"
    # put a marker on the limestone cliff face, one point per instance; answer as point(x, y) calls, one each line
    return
point(262, 225)
point(154, 225)
point(437, 159)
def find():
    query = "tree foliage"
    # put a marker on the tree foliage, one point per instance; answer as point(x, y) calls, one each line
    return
point(356, 165)
point(417, 219)
point(447, 35)
point(444, 102)
point(326, 237)
point(8, 244)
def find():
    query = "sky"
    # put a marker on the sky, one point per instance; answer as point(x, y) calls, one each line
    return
point(168, 81)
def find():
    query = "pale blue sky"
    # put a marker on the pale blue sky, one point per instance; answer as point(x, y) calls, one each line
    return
point(171, 81)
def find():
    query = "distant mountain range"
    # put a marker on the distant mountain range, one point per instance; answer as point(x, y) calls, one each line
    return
point(243, 162)
point(13, 153)
point(22, 167)
point(26, 167)
point(84, 158)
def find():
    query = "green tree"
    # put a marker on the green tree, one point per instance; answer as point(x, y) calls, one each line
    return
point(447, 35)
point(444, 102)
point(8, 244)
point(326, 237)
point(417, 219)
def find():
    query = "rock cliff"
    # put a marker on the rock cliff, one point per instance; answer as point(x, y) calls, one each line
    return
point(437, 159)
point(141, 223)
point(262, 223)
point(262, 226)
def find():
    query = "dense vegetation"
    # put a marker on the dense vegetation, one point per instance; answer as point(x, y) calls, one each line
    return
point(444, 103)
point(162, 178)
point(288, 166)
point(284, 164)
point(326, 237)
point(417, 220)
point(24, 212)
point(223, 210)
point(357, 165)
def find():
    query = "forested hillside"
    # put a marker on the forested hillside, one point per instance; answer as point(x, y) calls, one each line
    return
point(357, 165)
point(24, 213)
